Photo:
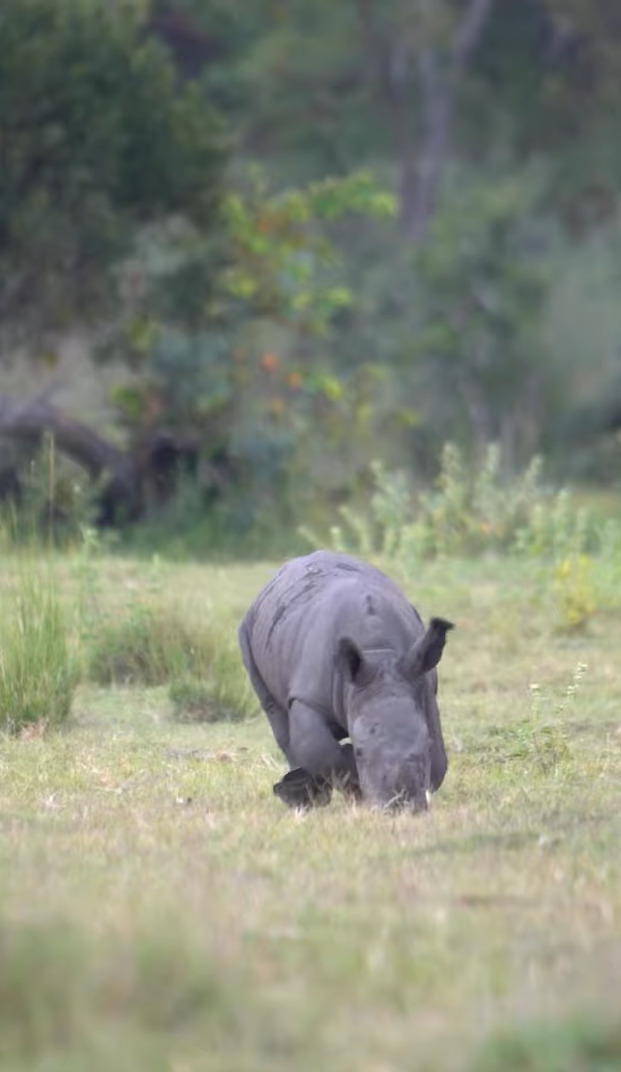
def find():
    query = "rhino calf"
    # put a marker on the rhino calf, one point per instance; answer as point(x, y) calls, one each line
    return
point(334, 650)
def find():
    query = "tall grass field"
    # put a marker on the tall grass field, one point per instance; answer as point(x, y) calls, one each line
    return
point(160, 909)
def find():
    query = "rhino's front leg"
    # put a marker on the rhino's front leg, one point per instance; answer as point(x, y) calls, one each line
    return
point(313, 747)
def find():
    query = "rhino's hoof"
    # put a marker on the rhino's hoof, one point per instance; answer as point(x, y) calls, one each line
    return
point(299, 789)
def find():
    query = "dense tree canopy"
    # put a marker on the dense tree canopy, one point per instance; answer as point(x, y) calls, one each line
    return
point(318, 233)
point(96, 140)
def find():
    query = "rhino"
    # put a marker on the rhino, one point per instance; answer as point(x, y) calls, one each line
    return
point(345, 671)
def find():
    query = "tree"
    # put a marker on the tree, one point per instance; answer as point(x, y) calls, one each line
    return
point(327, 83)
point(203, 398)
point(419, 53)
point(482, 285)
point(97, 138)
point(240, 365)
point(413, 86)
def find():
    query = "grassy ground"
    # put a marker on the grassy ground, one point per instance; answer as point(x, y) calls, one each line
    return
point(160, 909)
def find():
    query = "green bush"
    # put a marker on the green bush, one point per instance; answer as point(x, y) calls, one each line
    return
point(475, 509)
point(38, 666)
point(219, 698)
point(472, 510)
point(149, 646)
point(154, 645)
point(222, 691)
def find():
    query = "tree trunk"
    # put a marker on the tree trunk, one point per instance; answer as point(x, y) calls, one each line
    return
point(419, 185)
point(422, 163)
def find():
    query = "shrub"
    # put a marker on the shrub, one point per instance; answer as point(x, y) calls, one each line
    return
point(219, 698)
point(154, 645)
point(539, 741)
point(143, 648)
point(470, 511)
point(556, 526)
point(149, 646)
point(38, 666)
point(473, 509)
point(574, 592)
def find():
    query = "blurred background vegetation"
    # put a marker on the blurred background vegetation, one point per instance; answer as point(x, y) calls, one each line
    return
point(254, 254)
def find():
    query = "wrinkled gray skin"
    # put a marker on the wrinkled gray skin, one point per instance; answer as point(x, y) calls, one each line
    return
point(334, 650)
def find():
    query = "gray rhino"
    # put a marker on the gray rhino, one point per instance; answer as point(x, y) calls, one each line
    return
point(334, 651)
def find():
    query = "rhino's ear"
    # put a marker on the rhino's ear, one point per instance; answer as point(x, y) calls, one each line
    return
point(427, 651)
point(349, 658)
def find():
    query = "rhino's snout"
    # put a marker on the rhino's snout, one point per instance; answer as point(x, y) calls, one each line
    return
point(420, 778)
point(393, 776)
point(402, 802)
point(408, 785)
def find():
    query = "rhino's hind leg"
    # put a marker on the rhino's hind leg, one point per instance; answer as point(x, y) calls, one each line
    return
point(278, 718)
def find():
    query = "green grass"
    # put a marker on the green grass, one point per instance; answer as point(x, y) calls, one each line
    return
point(161, 909)
point(565, 1046)
point(38, 663)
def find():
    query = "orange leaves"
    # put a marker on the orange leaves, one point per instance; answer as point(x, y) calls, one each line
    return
point(282, 379)
point(270, 362)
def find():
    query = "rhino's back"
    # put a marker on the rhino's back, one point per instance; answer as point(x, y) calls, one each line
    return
point(294, 625)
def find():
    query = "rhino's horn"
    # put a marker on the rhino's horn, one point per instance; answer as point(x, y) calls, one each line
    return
point(426, 652)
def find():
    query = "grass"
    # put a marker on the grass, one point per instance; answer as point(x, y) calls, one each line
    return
point(38, 666)
point(159, 907)
point(566, 1046)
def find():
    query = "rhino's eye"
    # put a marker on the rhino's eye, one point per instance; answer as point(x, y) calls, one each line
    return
point(358, 752)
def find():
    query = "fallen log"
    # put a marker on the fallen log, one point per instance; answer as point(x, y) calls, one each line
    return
point(120, 492)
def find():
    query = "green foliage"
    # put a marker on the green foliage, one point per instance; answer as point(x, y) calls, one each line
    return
point(249, 317)
point(478, 508)
point(221, 697)
point(471, 510)
point(323, 88)
point(154, 645)
point(574, 592)
point(39, 668)
point(477, 511)
point(281, 256)
point(98, 138)
point(148, 646)
point(242, 377)
point(557, 526)
point(563, 534)
point(539, 742)
point(481, 289)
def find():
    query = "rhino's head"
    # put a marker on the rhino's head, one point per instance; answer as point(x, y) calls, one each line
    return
point(393, 719)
